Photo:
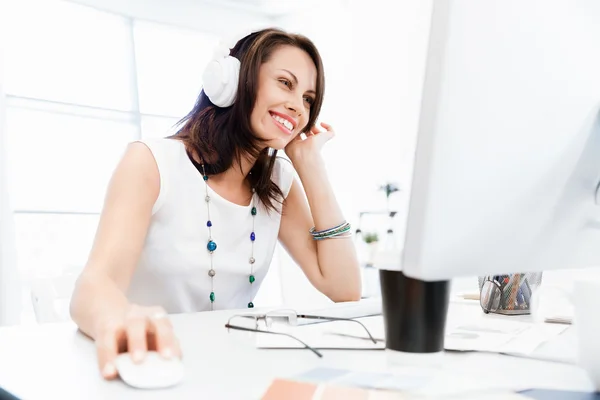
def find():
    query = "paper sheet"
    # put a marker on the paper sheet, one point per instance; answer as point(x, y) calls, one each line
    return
point(330, 335)
point(500, 336)
point(491, 335)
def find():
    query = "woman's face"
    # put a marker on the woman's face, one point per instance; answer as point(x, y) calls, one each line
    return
point(286, 91)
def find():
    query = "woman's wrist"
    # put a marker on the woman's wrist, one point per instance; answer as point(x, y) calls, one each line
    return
point(303, 159)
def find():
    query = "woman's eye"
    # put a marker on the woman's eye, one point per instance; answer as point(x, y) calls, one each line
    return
point(309, 100)
point(286, 82)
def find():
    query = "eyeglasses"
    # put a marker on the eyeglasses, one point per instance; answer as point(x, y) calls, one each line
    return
point(289, 318)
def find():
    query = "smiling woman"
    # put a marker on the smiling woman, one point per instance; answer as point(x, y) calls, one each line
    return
point(191, 221)
point(281, 78)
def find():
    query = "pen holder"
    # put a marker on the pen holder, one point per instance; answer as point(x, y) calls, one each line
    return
point(508, 294)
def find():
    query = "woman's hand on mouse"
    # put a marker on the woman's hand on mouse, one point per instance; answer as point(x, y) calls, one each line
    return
point(140, 329)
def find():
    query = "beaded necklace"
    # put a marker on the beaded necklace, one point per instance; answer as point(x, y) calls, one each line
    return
point(211, 246)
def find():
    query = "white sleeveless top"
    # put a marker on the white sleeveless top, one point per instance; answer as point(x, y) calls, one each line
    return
point(173, 268)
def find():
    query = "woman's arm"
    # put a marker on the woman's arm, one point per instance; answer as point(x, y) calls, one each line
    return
point(331, 265)
point(99, 306)
point(132, 191)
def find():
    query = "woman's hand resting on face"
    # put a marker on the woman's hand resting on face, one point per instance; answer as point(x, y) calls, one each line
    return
point(141, 329)
point(299, 149)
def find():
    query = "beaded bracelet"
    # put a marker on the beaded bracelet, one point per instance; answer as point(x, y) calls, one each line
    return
point(340, 231)
point(342, 236)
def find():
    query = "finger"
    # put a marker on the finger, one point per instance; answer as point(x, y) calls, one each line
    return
point(137, 344)
point(164, 337)
point(177, 348)
point(326, 136)
point(107, 350)
point(315, 130)
point(326, 126)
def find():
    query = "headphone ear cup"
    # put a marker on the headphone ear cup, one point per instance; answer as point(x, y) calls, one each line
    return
point(220, 80)
point(212, 79)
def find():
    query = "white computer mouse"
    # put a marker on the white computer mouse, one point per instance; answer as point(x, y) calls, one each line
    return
point(153, 372)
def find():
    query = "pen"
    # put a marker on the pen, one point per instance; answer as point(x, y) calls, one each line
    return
point(515, 282)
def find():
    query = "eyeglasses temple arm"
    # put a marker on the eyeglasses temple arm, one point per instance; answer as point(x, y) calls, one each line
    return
point(339, 319)
point(240, 328)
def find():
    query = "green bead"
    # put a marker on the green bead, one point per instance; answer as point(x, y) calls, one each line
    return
point(252, 279)
point(251, 305)
point(212, 296)
point(253, 211)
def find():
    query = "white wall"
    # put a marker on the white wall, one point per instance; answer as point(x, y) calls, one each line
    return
point(10, 299)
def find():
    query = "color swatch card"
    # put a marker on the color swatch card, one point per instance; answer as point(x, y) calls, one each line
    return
point(299, 390)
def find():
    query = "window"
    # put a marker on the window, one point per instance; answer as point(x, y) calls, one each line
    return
point(61, 162)
point(169, 64)
point(68, 53)
point(80, 85)
point(154, 127)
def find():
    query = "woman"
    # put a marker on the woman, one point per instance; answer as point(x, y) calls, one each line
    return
point(190, 222)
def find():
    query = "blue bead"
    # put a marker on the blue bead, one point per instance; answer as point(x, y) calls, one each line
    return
point(205, 177)
point(252, 236)
point(208, 223)
point(211, 246)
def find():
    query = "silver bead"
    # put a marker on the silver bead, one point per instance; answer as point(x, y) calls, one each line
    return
point(207, 199)
point(211, 272)
point(252, 260)
point(253, 190)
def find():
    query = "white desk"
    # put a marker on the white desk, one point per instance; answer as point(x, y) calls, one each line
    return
point(56, 361)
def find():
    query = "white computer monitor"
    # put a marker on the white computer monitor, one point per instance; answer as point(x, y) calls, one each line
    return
point(507, 165)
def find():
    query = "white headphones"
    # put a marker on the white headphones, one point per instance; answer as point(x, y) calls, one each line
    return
point(222, 74)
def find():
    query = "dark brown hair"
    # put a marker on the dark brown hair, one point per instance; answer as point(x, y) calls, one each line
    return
point(221, 136)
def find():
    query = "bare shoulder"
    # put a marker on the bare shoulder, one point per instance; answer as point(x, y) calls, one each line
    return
point(137, 170)
point(138, 162)
point(139, 154)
